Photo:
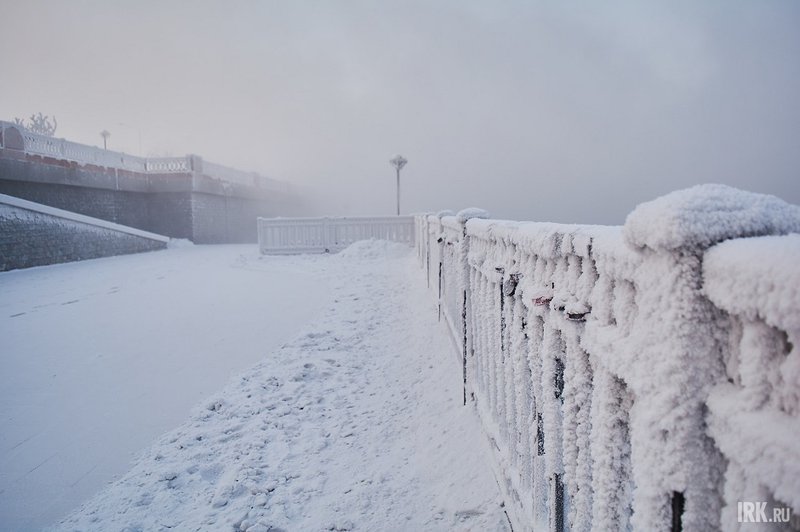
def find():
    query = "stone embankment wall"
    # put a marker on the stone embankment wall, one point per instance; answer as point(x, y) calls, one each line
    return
point(32, 234)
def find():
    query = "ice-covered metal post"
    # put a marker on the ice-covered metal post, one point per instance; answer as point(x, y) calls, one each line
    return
point(398, 162)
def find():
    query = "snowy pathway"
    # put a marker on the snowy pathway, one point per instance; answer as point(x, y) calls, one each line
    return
point(99, 358)
point(356, 424)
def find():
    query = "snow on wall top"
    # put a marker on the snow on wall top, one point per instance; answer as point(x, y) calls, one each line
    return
point(75, 217)
point(756, 277)
point(703, 215)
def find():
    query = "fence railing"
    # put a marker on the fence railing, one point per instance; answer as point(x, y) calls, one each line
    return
point(599, 358)
point(323, 235)
point(66, 150)
point(754, 413)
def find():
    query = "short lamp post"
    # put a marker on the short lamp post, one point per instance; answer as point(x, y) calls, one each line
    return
point(105, 134)
point(398, 162)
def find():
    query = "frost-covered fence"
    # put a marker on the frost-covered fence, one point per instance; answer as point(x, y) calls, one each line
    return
point(451, 280)
point(15, 137)
point(324, 235)
point(754, 413)
point(599, 358)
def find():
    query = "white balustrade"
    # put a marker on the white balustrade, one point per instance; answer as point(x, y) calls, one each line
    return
point(323, 235)
point(168, 165)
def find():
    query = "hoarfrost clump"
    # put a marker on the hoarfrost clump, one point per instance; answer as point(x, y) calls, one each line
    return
point(471, 212)
point(701, 216)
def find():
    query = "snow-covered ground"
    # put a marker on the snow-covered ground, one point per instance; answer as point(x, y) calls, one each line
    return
point(350, 418)
point(100, 357)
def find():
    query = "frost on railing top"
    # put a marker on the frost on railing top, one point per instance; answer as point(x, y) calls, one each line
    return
point(706, 214)
point(757, 279)
point(45, 146)
point(599, 358)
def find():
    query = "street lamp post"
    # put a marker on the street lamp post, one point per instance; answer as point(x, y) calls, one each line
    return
point(398, 162)
point(105, 134)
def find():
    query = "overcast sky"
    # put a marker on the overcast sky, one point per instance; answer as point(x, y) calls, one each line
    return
point(559, 111)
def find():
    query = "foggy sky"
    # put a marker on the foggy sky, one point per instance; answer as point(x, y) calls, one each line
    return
point(570, 112)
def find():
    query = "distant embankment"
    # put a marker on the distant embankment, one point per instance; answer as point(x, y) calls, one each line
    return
point(32, 234)
point(181, 197)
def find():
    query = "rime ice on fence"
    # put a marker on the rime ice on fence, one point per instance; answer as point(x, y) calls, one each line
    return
point(590, 353)
point(755, 412)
